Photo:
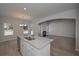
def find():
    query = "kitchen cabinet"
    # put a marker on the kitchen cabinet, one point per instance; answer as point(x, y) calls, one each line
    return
point(35, 48)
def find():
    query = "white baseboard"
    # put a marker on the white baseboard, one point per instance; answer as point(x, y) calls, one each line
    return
point(6, 40)
point(77, 50)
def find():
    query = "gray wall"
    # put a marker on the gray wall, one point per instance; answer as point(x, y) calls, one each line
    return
point(1, 28)
point(65, 27)
point(66, 14)
point(77, 32)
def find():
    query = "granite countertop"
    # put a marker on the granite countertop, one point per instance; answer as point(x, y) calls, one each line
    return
point(39, 42)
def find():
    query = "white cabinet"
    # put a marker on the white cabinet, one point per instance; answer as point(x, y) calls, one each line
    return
point(29, 50)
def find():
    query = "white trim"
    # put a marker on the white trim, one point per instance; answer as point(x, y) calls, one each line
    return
point(77, 49)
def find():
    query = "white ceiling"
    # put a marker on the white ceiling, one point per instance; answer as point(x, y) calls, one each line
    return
point(37, 10)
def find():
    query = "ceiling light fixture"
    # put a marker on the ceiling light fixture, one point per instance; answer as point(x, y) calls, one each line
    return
point(27, 14)
point(24, 8)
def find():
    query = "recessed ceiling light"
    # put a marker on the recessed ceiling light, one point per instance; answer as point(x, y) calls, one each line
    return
point(24, 8)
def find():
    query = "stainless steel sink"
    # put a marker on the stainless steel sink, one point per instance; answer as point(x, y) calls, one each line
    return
point(29, 38)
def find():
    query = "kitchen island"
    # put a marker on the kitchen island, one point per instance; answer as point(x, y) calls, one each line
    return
point(38, 47)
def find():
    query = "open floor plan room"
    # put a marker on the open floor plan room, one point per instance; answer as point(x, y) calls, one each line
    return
point(39, 29)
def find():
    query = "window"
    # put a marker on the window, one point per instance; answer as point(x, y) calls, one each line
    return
point(8, 29)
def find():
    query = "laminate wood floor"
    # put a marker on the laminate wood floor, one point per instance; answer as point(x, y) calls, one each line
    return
point(63, 46)
point(9, 48)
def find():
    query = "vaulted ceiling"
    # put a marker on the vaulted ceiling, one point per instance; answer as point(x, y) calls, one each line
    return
point(37, 10)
